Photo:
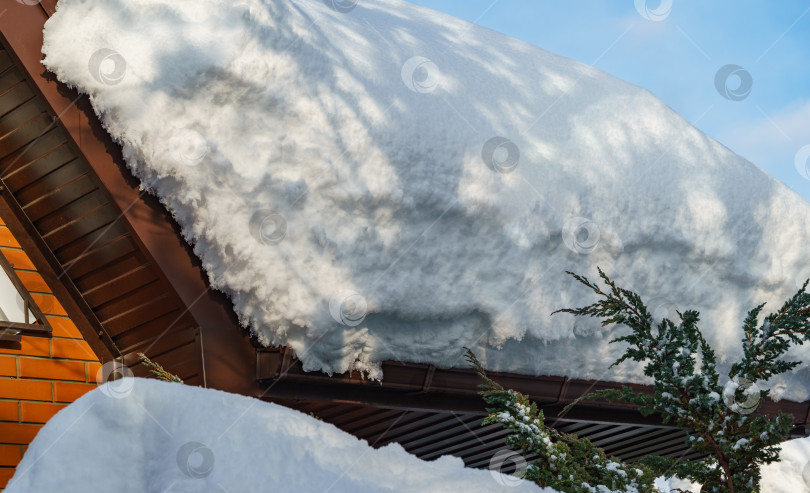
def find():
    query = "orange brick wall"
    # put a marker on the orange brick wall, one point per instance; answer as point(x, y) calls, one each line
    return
point(38, 376)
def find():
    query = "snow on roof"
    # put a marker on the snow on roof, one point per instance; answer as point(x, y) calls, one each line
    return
point(381, 181)
point(145, 435)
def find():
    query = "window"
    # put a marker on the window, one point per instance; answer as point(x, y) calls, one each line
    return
point(19, 314)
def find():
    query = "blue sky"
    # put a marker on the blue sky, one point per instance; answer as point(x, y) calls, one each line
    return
point(677, 58)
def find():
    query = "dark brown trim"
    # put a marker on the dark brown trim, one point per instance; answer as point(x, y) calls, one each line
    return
point(10, 335)
point(229, 360)
point(40, 327)
point(50, 270)
point(456, 389)
point(41, 330)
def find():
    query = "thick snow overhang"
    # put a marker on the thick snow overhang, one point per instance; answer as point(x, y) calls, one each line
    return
point(122, 268)
point(118, 263)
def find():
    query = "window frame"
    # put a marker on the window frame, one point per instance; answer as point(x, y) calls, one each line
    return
point(13, 331)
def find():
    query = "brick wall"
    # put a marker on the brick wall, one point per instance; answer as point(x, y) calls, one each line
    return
point(38, 376)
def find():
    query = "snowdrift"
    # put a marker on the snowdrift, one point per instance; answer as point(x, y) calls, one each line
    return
point(144, 435)
point(792, 473)
point(381, 181)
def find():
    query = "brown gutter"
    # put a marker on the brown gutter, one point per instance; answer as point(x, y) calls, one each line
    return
point(455, 389)
point(228, 356)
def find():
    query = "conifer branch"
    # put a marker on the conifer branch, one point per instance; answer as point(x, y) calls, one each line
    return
point(718, 418)
point(565, 462)
point(158, 370)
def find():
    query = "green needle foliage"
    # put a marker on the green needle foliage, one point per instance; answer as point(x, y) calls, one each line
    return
point(687, 391)
point(158, 370)
point(565, 462)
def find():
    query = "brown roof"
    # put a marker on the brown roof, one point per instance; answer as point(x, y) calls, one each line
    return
point(119, 258)
point(122, 270)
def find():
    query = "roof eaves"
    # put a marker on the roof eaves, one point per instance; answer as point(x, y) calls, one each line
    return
point(151, 226)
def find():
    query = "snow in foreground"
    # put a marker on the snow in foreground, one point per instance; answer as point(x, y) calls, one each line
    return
point(140, 435)
point(390, 182)
point(145, 435)
point(792, 473)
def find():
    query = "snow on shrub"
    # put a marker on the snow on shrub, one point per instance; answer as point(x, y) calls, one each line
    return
point(687, 389)
point(564, 461)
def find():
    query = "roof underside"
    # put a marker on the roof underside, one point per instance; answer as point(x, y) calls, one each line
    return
point(430, 435)
point(48, 185)
point(115, 259)
point(433, 411)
